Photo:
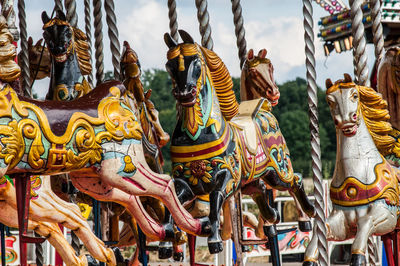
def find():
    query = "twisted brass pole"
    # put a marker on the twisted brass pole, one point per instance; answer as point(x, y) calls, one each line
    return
point(58, 4)
point(359, 43)
point(173, 22)
point(239, 31)
point(24, 59)
point(319, 222)
point(88, 30)
point(98, 43)
point(113, 35)
point(72, 17)
point(204, 24)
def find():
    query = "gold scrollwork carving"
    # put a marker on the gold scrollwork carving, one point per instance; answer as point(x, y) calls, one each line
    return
point(119, 123)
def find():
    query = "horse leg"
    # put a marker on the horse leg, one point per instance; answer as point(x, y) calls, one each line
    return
point(48, 206)
point(304, 220)
point(258, 191)
point(142, 181)
point(379, 220)
point(297, 190)
point(56, 238)
point(336, 226)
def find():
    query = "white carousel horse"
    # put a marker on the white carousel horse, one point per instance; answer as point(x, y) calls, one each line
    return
point(365, 187)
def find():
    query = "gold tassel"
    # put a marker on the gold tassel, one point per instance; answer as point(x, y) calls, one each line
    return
point(129, 166)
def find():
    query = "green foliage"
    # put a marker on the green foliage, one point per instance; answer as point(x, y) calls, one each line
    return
point(291, 112)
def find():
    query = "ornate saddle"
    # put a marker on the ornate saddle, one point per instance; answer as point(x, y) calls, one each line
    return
point(244, 120)
point(59, 113)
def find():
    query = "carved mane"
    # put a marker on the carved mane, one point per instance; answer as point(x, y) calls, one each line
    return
point(81, 46)
point(222, 82)
point(376, 117)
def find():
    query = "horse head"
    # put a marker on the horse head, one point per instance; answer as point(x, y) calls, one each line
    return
point(257, 78)
point(343, 100)
point(39, 59)
point(130, 65)
point(185, 66)
point(58, 35)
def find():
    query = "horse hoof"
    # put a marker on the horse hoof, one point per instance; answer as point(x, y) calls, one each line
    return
point(91, 261)
point(270, 230)
point(141, 257)
point(178, 256)
point(309, 263)
point(165, 252)
point(118, 256)
point(205, 226)
point(305, 226)
point(246, 248)
point(358, 260)
point(215, 247)
point(169, 232)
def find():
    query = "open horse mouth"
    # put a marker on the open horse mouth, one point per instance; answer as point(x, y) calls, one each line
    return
point(61, 58)
point(349, 130)
point(186, 99)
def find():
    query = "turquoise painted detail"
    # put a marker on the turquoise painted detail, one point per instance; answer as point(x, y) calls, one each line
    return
point(205, 115)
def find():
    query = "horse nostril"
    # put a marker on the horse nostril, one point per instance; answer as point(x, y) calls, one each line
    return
point(354, 116)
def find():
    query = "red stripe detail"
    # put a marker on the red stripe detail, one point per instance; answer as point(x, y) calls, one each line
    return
point(201, 152)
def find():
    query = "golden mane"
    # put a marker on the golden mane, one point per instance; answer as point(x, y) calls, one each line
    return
point(376, 116)
point(81, 46)
point(220, 76)
point(222, 82)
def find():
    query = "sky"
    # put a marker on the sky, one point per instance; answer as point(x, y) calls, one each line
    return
point(276, 25)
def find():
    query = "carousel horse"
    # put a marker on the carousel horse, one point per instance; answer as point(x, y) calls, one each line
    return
point(70, 58)
point(257, 81)
point(365, 186)
point(154, 139)
point(39, 60)
point(257, 78)
point(46, 212)
point(218, 147)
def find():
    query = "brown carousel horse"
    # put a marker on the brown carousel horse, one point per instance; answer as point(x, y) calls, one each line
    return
point(219, 147)
point(257, 81)
point(155, 139)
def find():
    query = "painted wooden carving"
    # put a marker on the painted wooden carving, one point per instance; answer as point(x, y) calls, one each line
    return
point(46, 212)
point(389, 83)
point(217, 146)
point(365, 187)
point(69, 52)
point(257, 79)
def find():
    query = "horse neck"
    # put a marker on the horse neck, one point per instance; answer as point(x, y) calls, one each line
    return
point(211, 116)
point(356, 156)
point(67, 73)
point(248, 85)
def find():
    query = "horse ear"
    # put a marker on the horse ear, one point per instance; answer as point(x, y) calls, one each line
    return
point(61, 15)
point(39, 42)
point(30, 41)
point(186, 36)
point(45, 17)
point(250, 54)
point(328, 83)
point(262, 53)
point(169, 41)
point(347, 78)
point(148, 94)
point(126, 45)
